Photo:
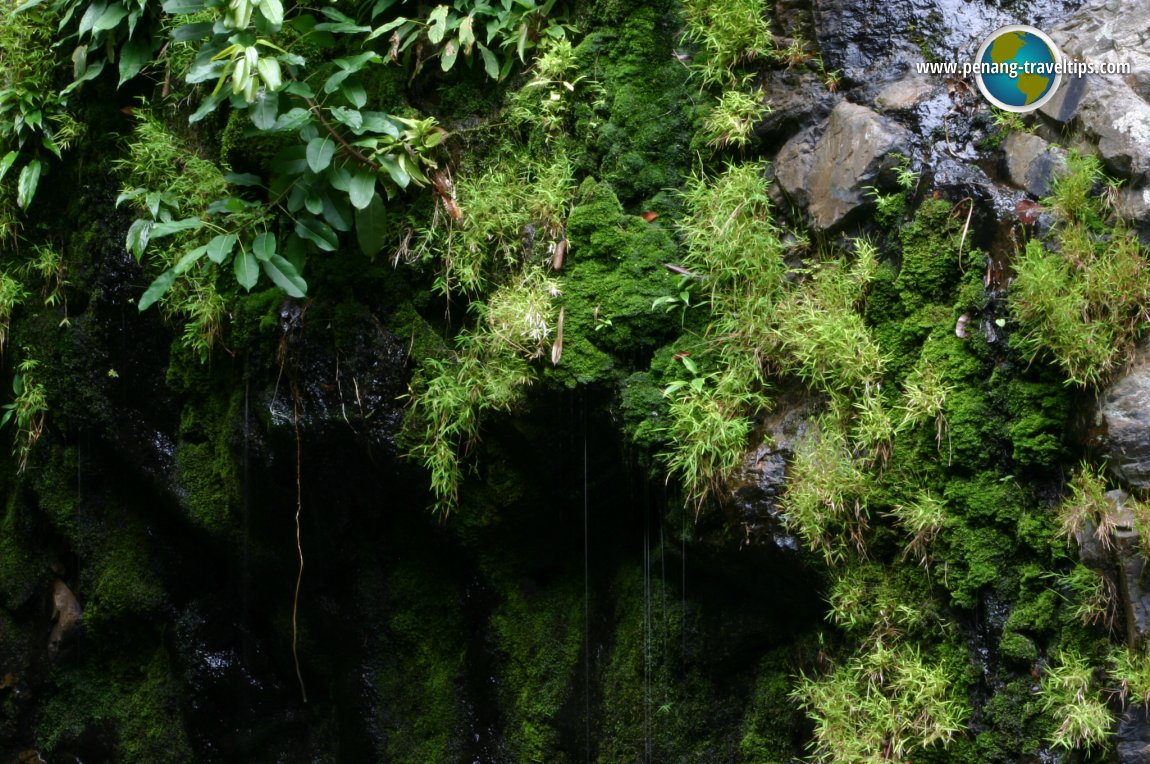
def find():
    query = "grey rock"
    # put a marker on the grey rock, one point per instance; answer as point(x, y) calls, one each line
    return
point(1032, 163)
point(849, 154)
point(1112, 110)
point(796, 99)
point(1122, 422)
point(905, 94)
point(1133, 736)
point(755, 490)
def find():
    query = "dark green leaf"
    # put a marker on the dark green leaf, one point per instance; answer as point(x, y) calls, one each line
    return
point(160, 230)
point(264, 246)
point(337, 213)
point(293, 119)
point(133, 56)
point(158, 288)
point(110, 18)
point(340, 179)
point(355, 93)
point(27, 183)
point(379, 7)
point(291, 161)
point(242, 179)
point(264, 109)
point(220, 247)
point(138, 235)
point(183, 7)
point(318, 233)
point(490, 63)
point(371, 226)
point(285, 276)
point(438, 28)
point(246, 270)
point(348, 117)
point(192, 32)
point(361, 189)
point(396, 171)
point(319, 153)
point(6, 162)
point(387, 27)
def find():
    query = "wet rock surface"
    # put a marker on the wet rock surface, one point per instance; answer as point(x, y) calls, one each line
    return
point(1123, 422)
point(829, 174)
point(1032, 163)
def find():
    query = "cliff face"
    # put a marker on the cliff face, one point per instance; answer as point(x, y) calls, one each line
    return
point(672, 381)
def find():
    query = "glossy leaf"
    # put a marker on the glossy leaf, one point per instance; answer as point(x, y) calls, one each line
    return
point(160, 230)
point(6, 162)
point(371, 226)
point(138, 235)
point(396, 171)
point(247, 270)
point(285, 275)
point(157, 289)
point(220, 247)
point(490, 63)
point(450, 53)
point(361, 189)
point(264, 110)
point(318, 233)
point(319, 153)
point(27, 183)
point(438, 20)
point(264, 246)
point(133, 55)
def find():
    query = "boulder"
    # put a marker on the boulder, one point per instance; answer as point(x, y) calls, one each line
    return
point(829, 174)
point(1032, 163)
point(905, 94)
point(1122, 422)
point(1133, 736)
point(1112, 110)
point(66, 614)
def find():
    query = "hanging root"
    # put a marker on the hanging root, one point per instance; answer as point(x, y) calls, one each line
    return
point(298, 547)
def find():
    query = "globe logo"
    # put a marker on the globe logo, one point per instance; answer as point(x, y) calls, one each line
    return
point(1017, 68)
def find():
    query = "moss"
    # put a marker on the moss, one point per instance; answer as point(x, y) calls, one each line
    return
point(131, 703)
point(1017, 647)
point(641, 131)
point(929, 268)
point(773, 727)
point(1039, 416)
point(541, 636)
point(614, 274)
point(421, 681)
point(23, 561)
point(123, 576)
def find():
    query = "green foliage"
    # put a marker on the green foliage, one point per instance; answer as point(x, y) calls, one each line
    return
point(448, 398)
point(1130, 669)
point(883, 704)
point(12, 293)
point(1087, 506)
point(1080, 299)
point(825, 502)
point(732, 120)
point(27, 409)
point(540, 635)
point(1070, 695)
point(730, 33)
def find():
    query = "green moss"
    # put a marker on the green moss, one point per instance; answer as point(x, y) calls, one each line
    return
point(540, 633)
point(133, 702)
point(930, 256)
point(206, 458)
point(1039, 416)
point(123, 576)
point(23, 560)
point(614, 274)
point(641, 132)
point(773, 726)
point(421, 681)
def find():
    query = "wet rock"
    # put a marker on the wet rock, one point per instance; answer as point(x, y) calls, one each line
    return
point(1134, 205)
point(851, 152)
point(67, 615)
point(906, 94)
point(796, 99)
point(1112, 110)
point(755, 491)
point(1133, 735)
point(1122, 422)
point(1032, 163)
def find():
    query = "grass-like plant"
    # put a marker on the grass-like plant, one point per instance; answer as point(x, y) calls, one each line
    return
point(1130, 670)
point(922, 519)
point(27, 409)
point(1081, 298)
point(732, 120)
point(730, 33)
point(12, 293)
point(1069, 694)
point(882, 705)
point(1087, 505)
point(825, 502)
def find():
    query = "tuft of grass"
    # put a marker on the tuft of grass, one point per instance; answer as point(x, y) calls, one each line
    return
point(730, 33)
point(1068, 693)
point(732, 120)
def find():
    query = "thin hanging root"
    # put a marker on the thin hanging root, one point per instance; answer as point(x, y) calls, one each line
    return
point(298, 547)
point(965, 229)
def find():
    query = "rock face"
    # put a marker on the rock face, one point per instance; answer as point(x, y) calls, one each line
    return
point(1032, 163)
point(1113, 110)
point(829, 174)
point(66, 613)
point(1122, 420)
point(1134, 736)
